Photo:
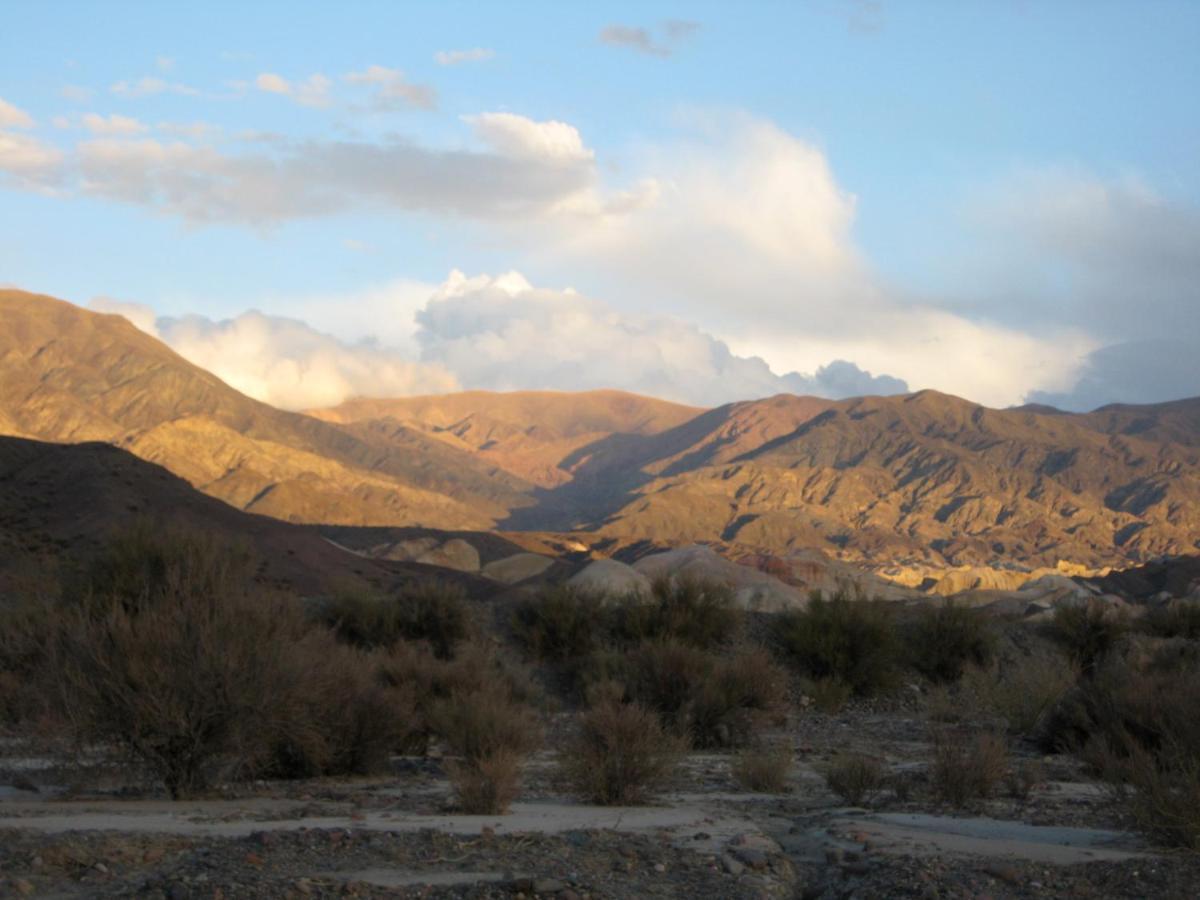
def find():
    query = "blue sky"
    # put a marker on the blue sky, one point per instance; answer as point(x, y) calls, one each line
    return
point(994, 199)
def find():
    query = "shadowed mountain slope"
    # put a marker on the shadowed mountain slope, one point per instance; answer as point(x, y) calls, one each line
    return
point(60, 502)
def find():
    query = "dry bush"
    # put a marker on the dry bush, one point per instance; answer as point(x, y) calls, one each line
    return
point(434, 612)
point(621, 752)
point(1023, 778)
point(716, 701)
point(486, 786)
point(27, 628)
point(1089, 631)
point(829, 695)
point(1023, 692)
point(854, 777)
point(945, 638)
point(488, 734)
point(562, 624)
point(1177, 619)
point(184, 685)
point(968, 766)
point(338, 716)
point(762, 769)
point(1140, 732)
point(699, 613)
point(852, 640)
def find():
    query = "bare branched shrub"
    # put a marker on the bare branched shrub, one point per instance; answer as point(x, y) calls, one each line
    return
point(620, 754)
point(1178, 619)
point(968, 766)
point(855, 777)
point(488, 733)
point(562, 624)
point(850, 639)
point(1023, 692)
point(762, 769)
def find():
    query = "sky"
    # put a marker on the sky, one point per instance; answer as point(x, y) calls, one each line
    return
point(700, 201)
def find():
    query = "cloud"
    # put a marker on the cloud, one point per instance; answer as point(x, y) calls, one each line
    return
point(642, 40)
point(139, 315)
point(1150, 371)
point(502, 333)
point(392, 90)
point(112, 125)
point(12, 117)
point(151, 85)
point(75, 93)
point(28, 162)
point(520, 138)
point(531, 168)
point(455, 57)
point(164, 63)
point(313, 91)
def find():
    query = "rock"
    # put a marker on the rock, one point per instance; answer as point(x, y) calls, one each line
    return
point(23, 887)
point(517, 568)
point(731, 865)
point(750, 856)
point(548, 886)
point(607, 576)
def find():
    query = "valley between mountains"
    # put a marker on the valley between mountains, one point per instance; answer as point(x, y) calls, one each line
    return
point(908, 486)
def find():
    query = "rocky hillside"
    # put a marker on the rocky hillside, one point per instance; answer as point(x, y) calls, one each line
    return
point(70, 375)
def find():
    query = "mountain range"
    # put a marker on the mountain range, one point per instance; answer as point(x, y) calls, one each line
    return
point(923, 479)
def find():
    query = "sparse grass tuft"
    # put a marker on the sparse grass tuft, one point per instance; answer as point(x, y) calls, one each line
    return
point(762, 769)
point(968, 767)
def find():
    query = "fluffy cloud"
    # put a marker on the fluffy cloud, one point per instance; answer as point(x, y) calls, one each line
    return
point(392, 90)
point(455, 57)
point(499, 333)
point(531, 168)
point(503, 333)
point(28, 162)
point(12, 117)
point(112, 125)
point(313, 91)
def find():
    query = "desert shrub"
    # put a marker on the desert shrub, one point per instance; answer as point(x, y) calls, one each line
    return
point(946, 638)
point(486, 786)
point(1173, 620)
point(851, 640)
point(335, 716)
point(1023, 692)
point(435, 612)
point(562, 624)
point(475, 667)
point(1023, 778)
point(620, 754)
point(1088, 631)
point(27, 629)
point(488, 734)
point(182, 685)
point(967, 766)
point(713, 700)
point(1140, 732)
point(698, 613)
point(151, 561)
point(854, 777)
point(762, 769)
point(828, 695)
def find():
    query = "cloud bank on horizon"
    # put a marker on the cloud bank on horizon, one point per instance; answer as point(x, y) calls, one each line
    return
point(719, 253)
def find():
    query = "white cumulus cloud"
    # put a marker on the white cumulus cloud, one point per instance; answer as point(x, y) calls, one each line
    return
point(112, 124)
point(12, 117)
point(392, 90)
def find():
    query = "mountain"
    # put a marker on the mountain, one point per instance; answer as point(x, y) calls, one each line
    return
point(70, 375)
point(526, 433)
point(925, 477)
point(904, 485)
point(60, 502)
